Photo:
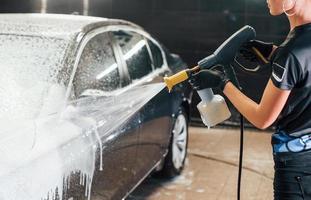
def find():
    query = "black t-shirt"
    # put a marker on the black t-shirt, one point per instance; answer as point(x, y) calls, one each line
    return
point(291, 70)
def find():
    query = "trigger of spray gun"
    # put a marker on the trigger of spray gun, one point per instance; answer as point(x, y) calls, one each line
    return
point(179, 77)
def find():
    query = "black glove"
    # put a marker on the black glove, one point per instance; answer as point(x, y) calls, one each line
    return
point(264, 48)
point(208, 79)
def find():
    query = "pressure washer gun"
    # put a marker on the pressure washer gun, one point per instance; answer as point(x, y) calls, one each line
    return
point(213, 108)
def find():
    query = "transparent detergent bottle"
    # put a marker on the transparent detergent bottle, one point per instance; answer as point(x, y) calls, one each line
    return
point(213, 108)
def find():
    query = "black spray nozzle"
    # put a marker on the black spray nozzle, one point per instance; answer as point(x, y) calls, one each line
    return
point(225, 53)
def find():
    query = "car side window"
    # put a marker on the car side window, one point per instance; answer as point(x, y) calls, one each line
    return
point(97, 68)
point(156, 54)
point(135, 53)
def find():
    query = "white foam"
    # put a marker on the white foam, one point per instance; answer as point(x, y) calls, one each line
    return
point(39, 155)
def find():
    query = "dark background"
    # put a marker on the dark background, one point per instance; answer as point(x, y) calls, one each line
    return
point(191, 28)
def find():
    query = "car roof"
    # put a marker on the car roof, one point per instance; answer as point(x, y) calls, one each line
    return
point(54, 25)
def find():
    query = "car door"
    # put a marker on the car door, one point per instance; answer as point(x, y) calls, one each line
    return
point(163, 103)
point(142, 66)
point(97, 76)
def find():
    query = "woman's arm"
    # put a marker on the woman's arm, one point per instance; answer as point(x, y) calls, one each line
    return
point(261, 115)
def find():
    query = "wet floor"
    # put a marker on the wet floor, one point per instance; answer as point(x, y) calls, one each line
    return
point(211, 169)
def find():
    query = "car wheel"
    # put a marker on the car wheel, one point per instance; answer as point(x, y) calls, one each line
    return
point(177, 152)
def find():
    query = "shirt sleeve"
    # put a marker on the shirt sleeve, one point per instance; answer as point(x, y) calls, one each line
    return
point(286, 70)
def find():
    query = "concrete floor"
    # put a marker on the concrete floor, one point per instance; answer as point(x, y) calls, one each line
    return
point(211, 169)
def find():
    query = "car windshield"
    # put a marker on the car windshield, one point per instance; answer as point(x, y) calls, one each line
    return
point(30, 68)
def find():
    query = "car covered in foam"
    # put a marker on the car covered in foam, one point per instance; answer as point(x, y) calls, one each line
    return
point(84, 111)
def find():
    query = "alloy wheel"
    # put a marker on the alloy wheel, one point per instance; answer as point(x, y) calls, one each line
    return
point(179, 141)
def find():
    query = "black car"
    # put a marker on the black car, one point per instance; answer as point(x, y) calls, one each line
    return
point(84, 110)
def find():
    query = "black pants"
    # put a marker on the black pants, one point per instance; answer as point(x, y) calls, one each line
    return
point(292, 176)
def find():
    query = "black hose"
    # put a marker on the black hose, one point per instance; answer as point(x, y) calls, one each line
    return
point(240, 156)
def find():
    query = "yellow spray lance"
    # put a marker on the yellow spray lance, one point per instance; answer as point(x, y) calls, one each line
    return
point(179, 77)
point(213, 108)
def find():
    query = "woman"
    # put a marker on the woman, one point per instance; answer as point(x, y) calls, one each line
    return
point(286, 99)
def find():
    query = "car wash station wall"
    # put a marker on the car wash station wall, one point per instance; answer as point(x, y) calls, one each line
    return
point(191, 28)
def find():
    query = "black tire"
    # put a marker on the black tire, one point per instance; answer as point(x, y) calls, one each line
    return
point(171, 167)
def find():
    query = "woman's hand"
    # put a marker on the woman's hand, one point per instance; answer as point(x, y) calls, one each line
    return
point(264, 48)
point(208, 79)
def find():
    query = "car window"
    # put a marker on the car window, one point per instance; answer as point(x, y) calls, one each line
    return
point(135, 53)
point(156, 54)
point(97, 68)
